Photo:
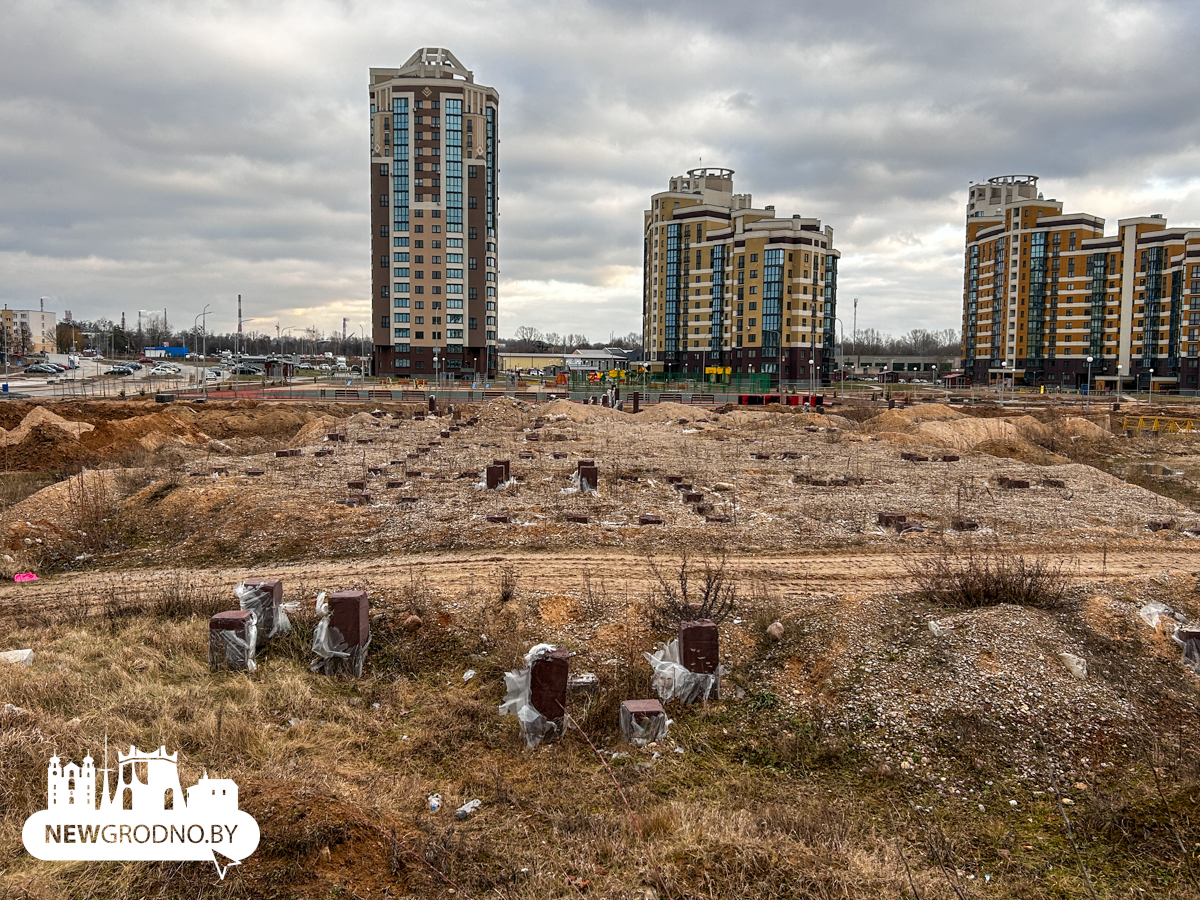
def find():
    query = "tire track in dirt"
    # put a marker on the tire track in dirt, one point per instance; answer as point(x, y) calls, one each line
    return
point(851, 573)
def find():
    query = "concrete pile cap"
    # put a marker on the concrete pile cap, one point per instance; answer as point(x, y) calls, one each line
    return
point(643, 709)
point(230, 620)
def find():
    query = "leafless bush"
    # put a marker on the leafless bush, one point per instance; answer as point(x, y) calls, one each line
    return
point(507, 582)
point(707, 590)
point(92, 509)
point(973, 580)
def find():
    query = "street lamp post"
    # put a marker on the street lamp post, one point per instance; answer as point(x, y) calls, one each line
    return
point(1118, 382)
point(1089, 384)
point(1150, 394)
point(1003, 376)
point(842, 366)
point(437, 374)
point(362, 360)
point(203, 352)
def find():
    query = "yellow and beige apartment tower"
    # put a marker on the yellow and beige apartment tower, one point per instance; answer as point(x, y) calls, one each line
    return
point(728, 285)
point(433, 218)
point(1043, 291)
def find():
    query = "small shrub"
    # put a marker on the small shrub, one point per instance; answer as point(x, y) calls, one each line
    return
point(709, 591)
point(507, 583)
point(975, 580)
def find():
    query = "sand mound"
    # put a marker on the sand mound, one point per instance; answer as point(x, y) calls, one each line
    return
point(964, 434)
point(579, 412)
point(314, 432)
point(1021, 450)
point(1033, 430)
point(900, 439)
point(149, 432)
point(672, 412)
point(901, 419)
point(40, 416)
point(1084, 428)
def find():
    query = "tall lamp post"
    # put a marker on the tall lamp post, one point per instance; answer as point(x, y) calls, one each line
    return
point(204, 348)
point(362, 359)
point(1150, 395)
point(1118, 381)
point(842, 366)
point(1003, 377)
point(437, 374)
point(1089, 384)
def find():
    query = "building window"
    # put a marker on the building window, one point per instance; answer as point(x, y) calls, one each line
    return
point(472, 203)
point(472, 323)
point(383, 167)
point(383, 200)
point(472, 263)
point(471, 234)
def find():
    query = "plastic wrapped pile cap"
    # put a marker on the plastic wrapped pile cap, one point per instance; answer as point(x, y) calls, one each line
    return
point(257, 599)
point(534, 726)
point(331, 648)
point(237, 651)
point(673, 681)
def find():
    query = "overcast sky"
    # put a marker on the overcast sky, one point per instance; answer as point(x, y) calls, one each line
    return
point(157, 154)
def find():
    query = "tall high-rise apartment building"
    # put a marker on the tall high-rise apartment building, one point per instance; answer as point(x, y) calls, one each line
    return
point(433, 218)
point(728, 285)
point(1044, 290)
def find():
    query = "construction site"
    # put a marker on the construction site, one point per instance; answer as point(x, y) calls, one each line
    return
point(917, 649)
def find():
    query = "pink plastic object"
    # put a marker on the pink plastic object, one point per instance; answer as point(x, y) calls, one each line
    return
point(25, 576)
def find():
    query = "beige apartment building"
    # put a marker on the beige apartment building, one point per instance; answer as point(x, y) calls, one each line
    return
point(731, 286)
point(433, 218)
point(1045, 290)
point(28, 331)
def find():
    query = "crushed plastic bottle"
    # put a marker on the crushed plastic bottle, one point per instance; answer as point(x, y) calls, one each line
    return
point(466, 809)
point(435, 802)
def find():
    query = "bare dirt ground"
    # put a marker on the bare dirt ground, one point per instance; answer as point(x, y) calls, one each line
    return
point(887, 744)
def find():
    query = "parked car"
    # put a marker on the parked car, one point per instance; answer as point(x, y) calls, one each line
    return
point(164, 371)
point(119, 370)
point(147, 360)
point(41, 369)
point(132, 366)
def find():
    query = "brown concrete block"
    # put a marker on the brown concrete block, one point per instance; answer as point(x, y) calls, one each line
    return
point(548, 684)
point(717, 519)
point(236, 621)
point(581, 518)
point(892, 520)
point(374, 470)
point(350, 617)
point(282, 454)
point(648, 715)
point(589, 477)
point(692, 496)
point(495, 476)
point(649, 519)
point(504, 463)
point(254, 473)
point(356, 485)
point(499, 518)
point(674, 479)
point(699, 646)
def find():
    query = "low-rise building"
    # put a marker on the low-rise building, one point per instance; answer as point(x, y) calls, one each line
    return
point(28, 331)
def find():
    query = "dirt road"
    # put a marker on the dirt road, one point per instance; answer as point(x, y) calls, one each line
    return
point(622, 573)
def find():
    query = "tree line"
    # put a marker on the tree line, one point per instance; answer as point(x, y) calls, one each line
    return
point(918, 342)
point(527, 339)
point(109, 338)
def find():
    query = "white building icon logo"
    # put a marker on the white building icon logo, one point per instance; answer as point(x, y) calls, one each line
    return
point(145, 816)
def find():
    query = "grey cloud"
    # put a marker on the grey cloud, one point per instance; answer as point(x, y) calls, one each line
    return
point(182, 153)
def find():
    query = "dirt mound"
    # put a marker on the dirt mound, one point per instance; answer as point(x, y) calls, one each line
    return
point(964, 434)
point(1033, 430)
point(673, 412)
point(39, 415)
point(901, 419)
point(45, 448)
point(270, 422)
point(1021, 450)
point(314, 431)
point(1084, 428)
point(579, 412)
point(900, 439)
point(148, 432)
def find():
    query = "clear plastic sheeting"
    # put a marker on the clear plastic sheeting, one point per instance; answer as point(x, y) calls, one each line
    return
point(237, 651)
point(1189, 642)
point(1153, 613)
point(334, 655)
point(534, 726)
point(258, 600)
point(581, 486)
point(673, 681)
point(653, 728)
